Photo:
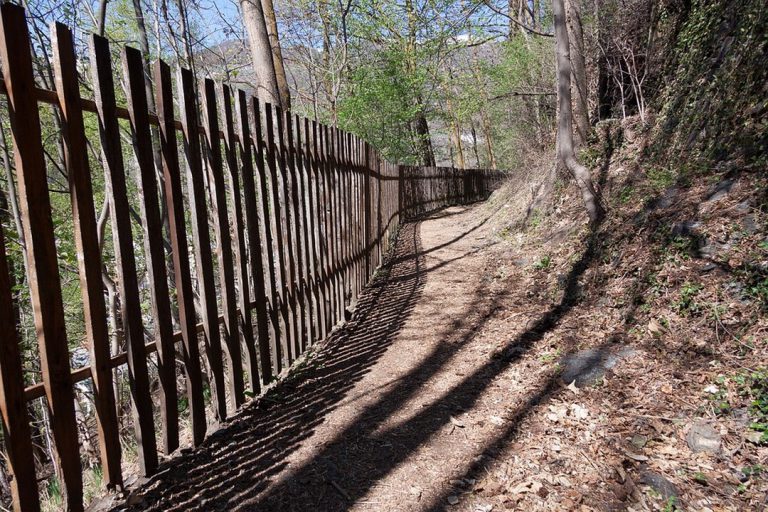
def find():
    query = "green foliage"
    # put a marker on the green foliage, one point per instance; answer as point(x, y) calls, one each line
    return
point(755, 279)
point(686, 305)
point(661, 178)
point(715, 105)
point(544, 263)
point(379, 105)
point(754, 385)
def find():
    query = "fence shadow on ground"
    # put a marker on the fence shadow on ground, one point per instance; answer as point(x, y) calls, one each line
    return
point(234, 468)
point(237, 462)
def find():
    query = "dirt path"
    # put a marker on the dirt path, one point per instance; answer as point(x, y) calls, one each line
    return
point(390, 414)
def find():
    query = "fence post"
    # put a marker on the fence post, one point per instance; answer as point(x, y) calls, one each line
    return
point(255, 252)
point(133, 70)
point(45, 286)
point(13, 407)
point(263, 153)
point(196, 192)
point(174, 204)
point(122, 237)
point(87, 242)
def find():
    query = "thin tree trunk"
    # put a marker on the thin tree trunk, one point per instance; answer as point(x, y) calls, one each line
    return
point(474, 144)
point(420, 125)
point(261, 51)
point(579, 78)
point(488, 134)
point(268, 9)
point(565, 116)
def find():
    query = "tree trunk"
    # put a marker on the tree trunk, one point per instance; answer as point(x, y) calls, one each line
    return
point(488, 134)
point(268, 8)
point(579, 78)
point(565, 117)
point(423, 139)
point(261, 52)
point(420, 125)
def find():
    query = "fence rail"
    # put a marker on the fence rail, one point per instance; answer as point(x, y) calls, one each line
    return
point(258, 229)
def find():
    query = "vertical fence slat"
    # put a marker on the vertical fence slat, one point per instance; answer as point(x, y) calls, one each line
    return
point(278, 243)
point(264, 166)
point(45, 287)
point(133, 70)
point(322, 228)
point(240, 262)
point(87, 243)
point(178, 234)
point(330, 162)
point(286, 219)
point(328, 232)
point(306, 228)
point(201, 238)
point(13, 407)
point(125, 263)
point(224, 243)
point(318, 212)
point(297, 247)
point(310, 137)
point(255, 255)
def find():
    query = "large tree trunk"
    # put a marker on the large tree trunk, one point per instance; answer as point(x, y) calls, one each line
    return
point(579, 78)
point(565, 116)
point(423, 139)
point(277, 54)
point(261, 51)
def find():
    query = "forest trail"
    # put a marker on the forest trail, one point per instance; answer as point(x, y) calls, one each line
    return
point(398, 410)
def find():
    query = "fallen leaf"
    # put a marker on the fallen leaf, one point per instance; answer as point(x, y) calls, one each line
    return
point(655, 328)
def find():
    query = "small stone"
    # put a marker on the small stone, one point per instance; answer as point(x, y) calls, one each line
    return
point(703, 438)
point(750, 224)
point(639, 441)
point(719, 191)
point(453, 500)
point(660, 484)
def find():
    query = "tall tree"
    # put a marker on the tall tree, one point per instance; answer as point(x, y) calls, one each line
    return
point(268, 7)
point(579, 78)
point(566, 152)
point(261, 51)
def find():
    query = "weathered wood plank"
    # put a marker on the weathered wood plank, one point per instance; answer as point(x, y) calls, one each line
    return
point(133, 71)
point(224, 245)
point(122, 235)
point(302, 171)
point(264, 167)
point(174, 200)
point(255, 243)
point(87, 244)
point(288, 238)
point(295, 221)
point(20, 458)
point(368, 170)
point(240, 259)
point(278, 218)
point(44, 283)
point(201, 238)
point(320, 246)
point(310, 136)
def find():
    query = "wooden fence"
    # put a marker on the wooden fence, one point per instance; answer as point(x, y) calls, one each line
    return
point(302, 215)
